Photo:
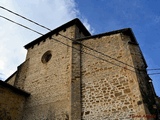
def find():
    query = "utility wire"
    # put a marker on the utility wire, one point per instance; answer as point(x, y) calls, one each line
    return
point(74, 47)
point(153, 69)
point(65, 36)
point(25, 18)
point(67, 44)
point(70, 38)
point(153, 73)
point(91, 54)
point(21, 25)
point(97, 51)
point(61, 35)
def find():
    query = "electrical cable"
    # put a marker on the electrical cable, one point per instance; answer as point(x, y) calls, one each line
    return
point(70, 46)
point(66, 44)
point(65, 36)
point(97, 51)
point(61, 35)
point(153, 73)
point(153, 69)
point(91, 54)
point(21, 25)
point(25, 18)
point(69, 38)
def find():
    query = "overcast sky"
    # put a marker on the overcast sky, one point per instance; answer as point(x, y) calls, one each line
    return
point(99, 16)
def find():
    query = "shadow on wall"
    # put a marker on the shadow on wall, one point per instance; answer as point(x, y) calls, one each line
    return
point(4, 115)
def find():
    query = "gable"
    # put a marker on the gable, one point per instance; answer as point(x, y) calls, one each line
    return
point(76, 22)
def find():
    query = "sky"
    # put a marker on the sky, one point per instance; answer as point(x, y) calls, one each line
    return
point(99, 16)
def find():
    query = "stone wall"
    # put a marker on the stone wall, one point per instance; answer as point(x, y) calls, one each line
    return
point(11, 79)
point(68, 80)
point(50, 77)
point(48, 81)
point(21, 74)
point(144, 81)
point(76, 91)
point(76, 84)
point(12, 101)
point(110, 89)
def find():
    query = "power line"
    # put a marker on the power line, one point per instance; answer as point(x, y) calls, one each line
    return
point(78, 49)
point(69, 38)
point(91, 54)
point(25, 18)
point(66, 44)
point(21, 25)
point(97, 51)
point(153, 73)
point(153, 69)
point(59, 34)
point(65, 37)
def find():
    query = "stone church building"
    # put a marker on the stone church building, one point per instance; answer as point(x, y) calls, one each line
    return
point(69, 74)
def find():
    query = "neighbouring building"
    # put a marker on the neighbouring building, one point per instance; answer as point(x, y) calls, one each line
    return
point(68, 74)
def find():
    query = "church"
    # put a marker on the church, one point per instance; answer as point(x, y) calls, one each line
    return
point(69, 74)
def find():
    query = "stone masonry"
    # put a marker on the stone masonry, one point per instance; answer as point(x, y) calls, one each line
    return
point(12, 101)
point(72, 75)
point(108, 90)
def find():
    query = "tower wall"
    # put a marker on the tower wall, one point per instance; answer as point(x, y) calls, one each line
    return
point(49, 82)
point(144, 81)
point(110, 89)
point(53, 81)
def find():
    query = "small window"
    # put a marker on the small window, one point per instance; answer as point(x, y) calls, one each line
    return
point(46, 57)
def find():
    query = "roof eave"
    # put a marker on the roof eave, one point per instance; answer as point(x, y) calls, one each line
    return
point(75, 21)
point(13, 88)
point(107, 34)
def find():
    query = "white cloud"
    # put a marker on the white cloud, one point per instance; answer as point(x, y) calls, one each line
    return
point(87, 25)
point(2, 64)
point(50, 13)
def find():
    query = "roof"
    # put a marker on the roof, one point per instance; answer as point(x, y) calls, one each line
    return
point(127, 31)
point(75, 21)
point(14, 89)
